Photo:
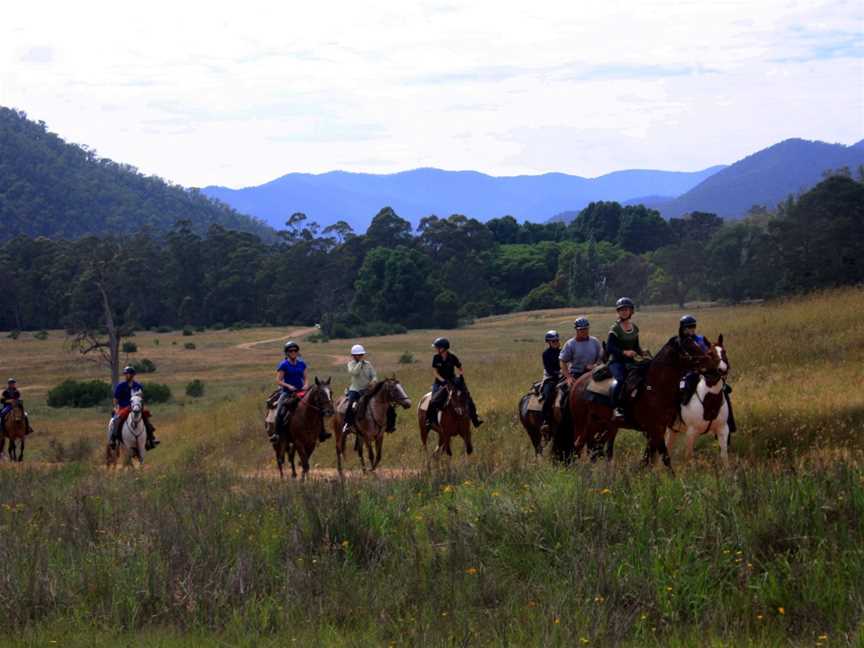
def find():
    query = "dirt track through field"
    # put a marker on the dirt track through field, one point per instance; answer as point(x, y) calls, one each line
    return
point(331, 474)
point(335, 360)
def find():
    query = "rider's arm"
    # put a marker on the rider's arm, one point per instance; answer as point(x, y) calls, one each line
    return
point(374, 374)
point(305, 382)
point(354, 368)
point(612, 348)
point(280, 380)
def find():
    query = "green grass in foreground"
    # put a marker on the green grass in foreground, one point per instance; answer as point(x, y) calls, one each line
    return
point(768, 555)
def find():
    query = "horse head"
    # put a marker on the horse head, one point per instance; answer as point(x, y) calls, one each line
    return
point(322, 397)
point(458, 399)
point(396, 393)
point(717, 365)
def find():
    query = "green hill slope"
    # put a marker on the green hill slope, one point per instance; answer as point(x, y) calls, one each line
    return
point(51, 188)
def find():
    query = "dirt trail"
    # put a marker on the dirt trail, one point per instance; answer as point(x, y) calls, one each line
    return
point(335, 360)
point(331, 474)
point(293, 334)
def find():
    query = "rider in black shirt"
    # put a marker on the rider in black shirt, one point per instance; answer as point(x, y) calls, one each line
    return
point(551, 374)
point(445, 366)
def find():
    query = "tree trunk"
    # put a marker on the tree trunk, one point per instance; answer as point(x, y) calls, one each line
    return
point(113, 337)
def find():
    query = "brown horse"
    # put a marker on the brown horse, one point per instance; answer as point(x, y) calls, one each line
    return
point(532, 421)
point(298, 430)
point(653, 408)
point(14, 429)
point(455, 420)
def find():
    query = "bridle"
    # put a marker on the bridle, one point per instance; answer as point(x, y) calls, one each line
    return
point(317, 392)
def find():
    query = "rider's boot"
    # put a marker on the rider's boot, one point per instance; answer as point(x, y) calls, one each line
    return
point(391, 420)
point(323, 434)
point(152, 441)
point(114, 439)
point(472, 410)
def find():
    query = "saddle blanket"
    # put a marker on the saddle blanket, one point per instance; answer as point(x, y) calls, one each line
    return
point(424, 404)
point(535, 403)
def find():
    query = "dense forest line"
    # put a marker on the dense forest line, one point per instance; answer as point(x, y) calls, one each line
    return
point(450, 270)
point(49, 187)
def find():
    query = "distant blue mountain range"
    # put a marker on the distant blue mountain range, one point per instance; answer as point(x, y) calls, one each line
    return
point(766, 178)
point(357, 197)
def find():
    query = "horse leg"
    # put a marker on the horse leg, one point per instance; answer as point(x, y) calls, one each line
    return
point(371, 451)
point(692, 434)
point(723, 438)
point(469, 447)
point(662, 449)
point(2, 445)
point(379, 444)
point(291, 451)
point(340, 449)
point(611, 433)
point(671, 438)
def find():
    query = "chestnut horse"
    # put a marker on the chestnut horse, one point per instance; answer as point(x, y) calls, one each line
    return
point(14, 429)
point(455, 420)
point(653, 409)
point(298, 430)
point(370, 426)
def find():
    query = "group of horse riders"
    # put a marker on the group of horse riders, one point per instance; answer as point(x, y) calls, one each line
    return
point(584, 352)
point(291, 376)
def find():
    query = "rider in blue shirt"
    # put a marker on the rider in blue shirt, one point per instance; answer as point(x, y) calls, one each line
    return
point(291, 377)
point(8, 398)
point(122, 406)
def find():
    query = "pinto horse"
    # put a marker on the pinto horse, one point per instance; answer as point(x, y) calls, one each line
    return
point(14, 429)
point(298, 430)
point(455, 420)
point(707, 410)
point(370, 426)
point(651, 411)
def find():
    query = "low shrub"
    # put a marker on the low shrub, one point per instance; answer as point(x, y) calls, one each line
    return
point(41, 335)
point(79, 393)
point(14, 334)
point(189, 345)
point(407, 358)
point(164, 329)
point(200, 329)
point(156, 342)
point(217, 326)
point(76, 450)
point(195, 389)
point(317, 337)
point(156, 392)
point(187, 331)
point(144, 366)
point(130, 347)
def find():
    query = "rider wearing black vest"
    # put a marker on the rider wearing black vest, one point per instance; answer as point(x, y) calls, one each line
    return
point(445, 367)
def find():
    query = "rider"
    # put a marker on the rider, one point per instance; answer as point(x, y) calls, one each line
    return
point(9, 397)
point(445, 366)
point(362, 375)
point(687, 328)
point(581, 353)
point(551, 376)
point(623, 347)
point(123, 405)
point(291, 377)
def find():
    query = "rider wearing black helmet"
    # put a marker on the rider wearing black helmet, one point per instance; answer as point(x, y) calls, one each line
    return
point(687, 329)
point(123, 406)
point(291, 377)
point(446, 367)
point(8, 399)
point(623, 348)
point(551, 375)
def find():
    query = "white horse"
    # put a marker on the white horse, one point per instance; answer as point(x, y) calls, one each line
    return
point(134, 433)
point(707, 410)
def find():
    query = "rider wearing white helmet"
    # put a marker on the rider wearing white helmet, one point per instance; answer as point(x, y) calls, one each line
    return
point(362, 375)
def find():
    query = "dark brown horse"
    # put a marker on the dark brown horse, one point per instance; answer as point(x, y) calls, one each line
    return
point(14, 429)
point(299, 430)
point(653, 408)
point(455, 420)
point(532, 421)
point(369, 425)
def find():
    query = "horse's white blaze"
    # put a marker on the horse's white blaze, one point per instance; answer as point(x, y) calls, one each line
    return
point(723, 366)
point(403, 395)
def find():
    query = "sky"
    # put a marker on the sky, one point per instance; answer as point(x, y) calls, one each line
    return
point(238, 94)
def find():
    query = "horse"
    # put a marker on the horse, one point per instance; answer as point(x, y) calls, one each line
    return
point(532, 419)
point(298, 430)
point(454, 420)
point(133, 435)
point(651, 409)
point(707, 410)
point(370, 421)
point(14, 429)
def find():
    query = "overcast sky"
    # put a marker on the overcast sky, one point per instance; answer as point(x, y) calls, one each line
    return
point(238, 93)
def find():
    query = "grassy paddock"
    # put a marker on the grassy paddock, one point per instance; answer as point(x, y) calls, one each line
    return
point(496, 549)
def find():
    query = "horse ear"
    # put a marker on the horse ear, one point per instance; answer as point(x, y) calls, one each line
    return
point(328, 380)
point(720, 340)
point(707, 341)
point(317, 382)
point(393, 376)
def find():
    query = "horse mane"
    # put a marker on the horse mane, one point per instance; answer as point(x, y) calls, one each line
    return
point(377, 388)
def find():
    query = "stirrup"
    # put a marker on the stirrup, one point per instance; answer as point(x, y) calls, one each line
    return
point(618, 414)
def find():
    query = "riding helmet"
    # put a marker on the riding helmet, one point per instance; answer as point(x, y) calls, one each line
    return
point(358, 349)
point(291, 345)
point(552, 336)
point(129, 369)
point(11, 381)
point(441, 343)
point(581, 323)
point(687, 321)
point(625, 302)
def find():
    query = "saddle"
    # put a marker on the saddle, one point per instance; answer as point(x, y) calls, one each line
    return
point(424, 405)
point(601, 382)
point(535, 400)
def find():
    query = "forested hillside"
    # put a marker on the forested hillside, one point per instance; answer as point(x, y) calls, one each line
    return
point(49, 187)
point(451, 270)
point(765, 178)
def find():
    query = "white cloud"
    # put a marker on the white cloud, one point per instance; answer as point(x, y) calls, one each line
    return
point(230, 94)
